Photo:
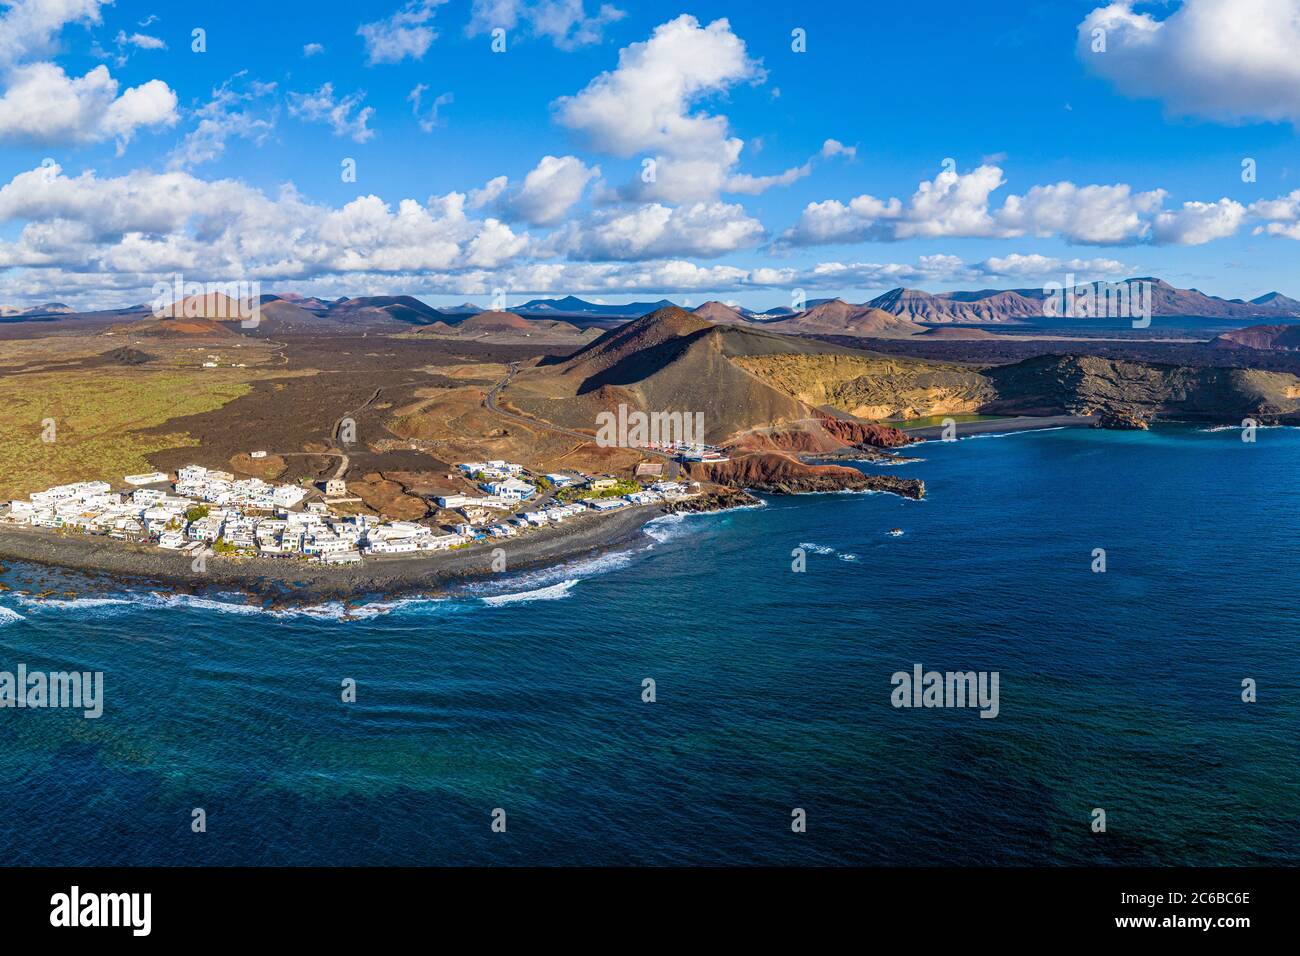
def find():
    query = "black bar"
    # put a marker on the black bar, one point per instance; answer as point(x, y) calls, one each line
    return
point(337, 905)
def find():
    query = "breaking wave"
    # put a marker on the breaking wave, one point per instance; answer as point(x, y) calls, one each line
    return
point(553, 593)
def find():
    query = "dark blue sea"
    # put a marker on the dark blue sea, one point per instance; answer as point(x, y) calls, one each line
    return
point(1119, 690)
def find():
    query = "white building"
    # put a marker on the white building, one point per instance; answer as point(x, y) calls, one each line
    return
point(511, 489)
point(151, 478)
point(342, 557)
point(394, 546)
point(286, 496)
point(456, 501)
point(206, 529)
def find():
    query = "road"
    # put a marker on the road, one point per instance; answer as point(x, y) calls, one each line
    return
point(342, 456)
point(344, 460)
point(343, 463)
point(490, 403)
point(338, 427)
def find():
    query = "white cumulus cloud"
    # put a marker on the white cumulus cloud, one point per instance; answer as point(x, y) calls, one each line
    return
point(29, 27)
point(1092, 215)
point(654, 231)
point(649, 106)
point(1223, 60)
point(545, 196)
point(43, 104)
point(1036, 266)
point(958, 205)
point(1197, 223)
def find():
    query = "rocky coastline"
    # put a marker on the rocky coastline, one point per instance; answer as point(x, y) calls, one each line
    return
point(283, 581)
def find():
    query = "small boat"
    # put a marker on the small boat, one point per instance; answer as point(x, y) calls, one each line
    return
point(895, 532)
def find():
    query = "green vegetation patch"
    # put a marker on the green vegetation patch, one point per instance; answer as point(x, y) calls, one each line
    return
point(81, 426)
point(622, 487)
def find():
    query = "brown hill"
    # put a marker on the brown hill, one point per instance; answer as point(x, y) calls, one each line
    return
point(1276, 302)
point(837, 317)
point(381, 310)
point(627, 342)
point(506, 327)
point(720, 313)
point(1285, 338)
point(198, 328)
point(957, 333)
point(670, 360)
point(215, 305)
point(284, 314)
point(497, 321)
point(309, 302)
point(989, 305)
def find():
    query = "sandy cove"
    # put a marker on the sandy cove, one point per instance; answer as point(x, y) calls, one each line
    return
point(998, 426)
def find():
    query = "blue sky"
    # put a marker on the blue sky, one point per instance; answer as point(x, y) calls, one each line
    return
point(226, 164)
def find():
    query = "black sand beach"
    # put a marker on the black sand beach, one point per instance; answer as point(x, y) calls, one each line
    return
point(1020, 423)
point(287, 580)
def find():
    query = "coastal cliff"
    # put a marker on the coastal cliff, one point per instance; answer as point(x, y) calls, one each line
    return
point(868, 434)
point(1085, 385)
point(719, 500)
point(781, 474)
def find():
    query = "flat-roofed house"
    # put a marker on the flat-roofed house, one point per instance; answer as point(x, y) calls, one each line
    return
point(511, 489)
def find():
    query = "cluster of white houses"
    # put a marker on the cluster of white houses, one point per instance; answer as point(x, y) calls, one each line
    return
point(208, 507)
point(211, 508)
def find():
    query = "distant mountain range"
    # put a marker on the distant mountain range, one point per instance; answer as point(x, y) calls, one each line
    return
point(572, 305)
point(1021, 305)
point(49, 308)
point(828, 317)
point(898, 312)
point(982, 306)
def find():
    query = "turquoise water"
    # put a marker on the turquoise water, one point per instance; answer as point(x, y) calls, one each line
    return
point(1119, 690)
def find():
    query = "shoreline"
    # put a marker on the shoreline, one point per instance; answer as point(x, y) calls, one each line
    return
point(1018, 423)
point(289, 582)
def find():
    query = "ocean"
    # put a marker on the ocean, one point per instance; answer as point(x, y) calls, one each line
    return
point(1119, 691)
